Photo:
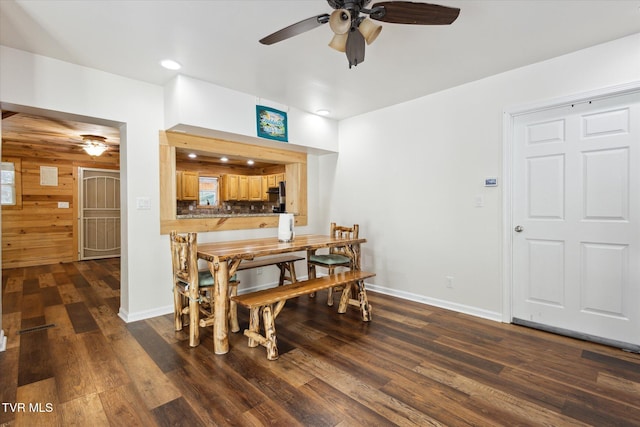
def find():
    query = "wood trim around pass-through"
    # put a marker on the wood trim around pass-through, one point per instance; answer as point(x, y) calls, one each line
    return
point(296, 177)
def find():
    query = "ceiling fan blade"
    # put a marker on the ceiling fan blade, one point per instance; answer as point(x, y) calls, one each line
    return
point(355, 48)
point(406, 12)
point(295, 29)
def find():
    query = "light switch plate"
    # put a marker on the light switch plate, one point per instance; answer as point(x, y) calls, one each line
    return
point(143, 203)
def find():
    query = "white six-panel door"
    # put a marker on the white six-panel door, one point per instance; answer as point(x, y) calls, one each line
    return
point(576, 217)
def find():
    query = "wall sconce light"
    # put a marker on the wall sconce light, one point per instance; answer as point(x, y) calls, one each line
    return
point(94, 145)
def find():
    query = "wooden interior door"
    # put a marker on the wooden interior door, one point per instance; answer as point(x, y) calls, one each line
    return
point(99, 213)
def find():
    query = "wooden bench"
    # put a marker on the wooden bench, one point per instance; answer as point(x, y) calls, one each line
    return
point(271, 301)
point(284, 263)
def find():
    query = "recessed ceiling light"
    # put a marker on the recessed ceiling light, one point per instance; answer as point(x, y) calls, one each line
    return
point(170, 64)
point(250, 162)
point(323, 112)
point(192, 155)
point(224, 159)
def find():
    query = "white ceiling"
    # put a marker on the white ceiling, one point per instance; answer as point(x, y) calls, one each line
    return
point(217, 41)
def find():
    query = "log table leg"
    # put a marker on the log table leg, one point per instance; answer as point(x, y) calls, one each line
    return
point(194, 321)
point(220, 271)
point(194, 301)
point(233, 311)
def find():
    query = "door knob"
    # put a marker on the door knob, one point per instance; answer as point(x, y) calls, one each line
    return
point(518, 229)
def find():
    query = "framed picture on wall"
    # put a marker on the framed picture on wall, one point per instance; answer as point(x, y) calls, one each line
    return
point(272, 123)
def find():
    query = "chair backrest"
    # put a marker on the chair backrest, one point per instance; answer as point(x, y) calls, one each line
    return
point(184, 257)
point(343, 232)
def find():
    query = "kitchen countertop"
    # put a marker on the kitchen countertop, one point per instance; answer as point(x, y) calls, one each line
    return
point(222, 215)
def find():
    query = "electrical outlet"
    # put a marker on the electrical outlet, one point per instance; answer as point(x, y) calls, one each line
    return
point(259, 271)
point(449, 282)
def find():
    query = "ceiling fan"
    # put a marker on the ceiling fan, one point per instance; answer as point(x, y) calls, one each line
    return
point(352, 28)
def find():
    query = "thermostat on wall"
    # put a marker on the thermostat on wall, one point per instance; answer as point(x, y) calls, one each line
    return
point(491, 182)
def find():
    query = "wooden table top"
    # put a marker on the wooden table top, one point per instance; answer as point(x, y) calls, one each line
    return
point(251, 248)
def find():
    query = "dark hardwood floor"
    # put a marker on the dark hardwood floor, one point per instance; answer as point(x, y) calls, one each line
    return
point(80, 364)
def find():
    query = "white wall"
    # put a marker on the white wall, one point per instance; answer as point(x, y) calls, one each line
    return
point(36, 83)
point(410, 184)
point(39, 82)
point(202, 106)
point(410, 174)
point(206, 109)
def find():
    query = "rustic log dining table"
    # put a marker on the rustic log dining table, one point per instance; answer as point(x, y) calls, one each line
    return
point(224, 258)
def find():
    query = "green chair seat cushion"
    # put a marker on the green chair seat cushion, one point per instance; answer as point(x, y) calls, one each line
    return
point(330, 259)
point(205, 279)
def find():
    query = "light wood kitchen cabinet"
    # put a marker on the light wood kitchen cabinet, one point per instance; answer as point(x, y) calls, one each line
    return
point(248, 187)
point(255, 188)
point(243, 187)
point(265, 187)
point(187, 185)
point(274, 179)
point(235, 187)
point(229, 187)
point(271, 181)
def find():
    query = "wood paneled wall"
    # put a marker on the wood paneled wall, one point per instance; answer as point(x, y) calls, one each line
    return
point(39, 232)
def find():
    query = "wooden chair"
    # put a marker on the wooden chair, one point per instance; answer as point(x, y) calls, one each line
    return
point(337, 257)
point(192, 289)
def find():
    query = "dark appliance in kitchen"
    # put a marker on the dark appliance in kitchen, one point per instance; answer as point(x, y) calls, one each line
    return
point(278, 194)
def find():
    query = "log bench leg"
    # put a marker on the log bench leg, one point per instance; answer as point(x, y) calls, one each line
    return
point(344, 298)
point(254, 326)
point(292, 272)
point(362, 302)
point(284, 267)
point(269, 339)
point(365, 308)
point(270, 333)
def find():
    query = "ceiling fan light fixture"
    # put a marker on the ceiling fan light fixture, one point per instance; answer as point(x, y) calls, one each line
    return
point(339, 42)
point(369, 30)
point(94, 145)
point(340, 21)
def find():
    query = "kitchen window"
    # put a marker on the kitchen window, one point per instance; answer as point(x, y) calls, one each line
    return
point(208, 191)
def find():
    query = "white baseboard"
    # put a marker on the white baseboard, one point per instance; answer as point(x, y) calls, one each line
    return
point(3, 341)
point(146, 314)
point(460, 308)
